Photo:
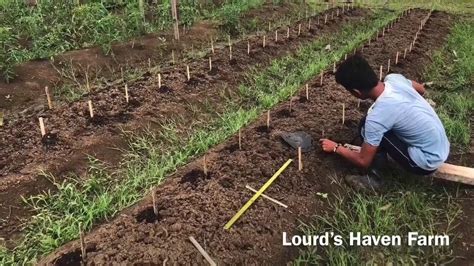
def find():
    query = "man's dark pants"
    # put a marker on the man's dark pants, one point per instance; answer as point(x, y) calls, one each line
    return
point(398, 150)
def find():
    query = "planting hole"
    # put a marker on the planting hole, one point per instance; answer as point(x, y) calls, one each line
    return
point(263, 129)
point(194, 177)
point(50, 139)
point(148, 215)
point(73, 257)
point(165, 89)
point(285, 113)
point(213, 71)
point(226, 183)
point(192, 82)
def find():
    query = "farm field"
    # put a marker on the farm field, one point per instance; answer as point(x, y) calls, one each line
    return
point(127, 171)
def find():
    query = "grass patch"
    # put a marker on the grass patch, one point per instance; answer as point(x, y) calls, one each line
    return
point(408, 206)
point(452, 74)
point(153, 156)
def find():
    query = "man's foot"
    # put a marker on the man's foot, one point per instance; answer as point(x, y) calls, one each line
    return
point(364, 183)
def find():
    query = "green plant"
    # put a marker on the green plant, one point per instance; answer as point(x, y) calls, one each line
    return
point(8, 42)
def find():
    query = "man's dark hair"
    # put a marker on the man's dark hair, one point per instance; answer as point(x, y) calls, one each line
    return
point(356, 73)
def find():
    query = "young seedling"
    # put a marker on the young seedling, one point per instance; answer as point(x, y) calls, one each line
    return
point(48, 97)
point(42, 128)
point(126, 93)
point(300, 160)
point(396, 58)
point(240, 139)
point(83, 243)
point(307, 92)
point(188, 74)
point(153, 200)
point(91, 110)
point(268, 119)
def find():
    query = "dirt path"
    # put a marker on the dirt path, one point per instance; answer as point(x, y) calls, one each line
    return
point(192, 204)
point(72, 134)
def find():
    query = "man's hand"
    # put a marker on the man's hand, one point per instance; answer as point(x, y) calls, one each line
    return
point(327, 145)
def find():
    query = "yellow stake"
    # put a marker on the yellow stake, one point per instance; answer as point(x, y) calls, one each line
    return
point(256, 195)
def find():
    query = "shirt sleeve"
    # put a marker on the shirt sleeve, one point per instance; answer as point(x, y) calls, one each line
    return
point(377, 123)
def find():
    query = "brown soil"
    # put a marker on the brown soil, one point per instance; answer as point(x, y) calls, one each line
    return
point(76, 135)
point(192, 204)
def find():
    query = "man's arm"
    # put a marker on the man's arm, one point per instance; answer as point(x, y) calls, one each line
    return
point(361, 159)
point(420, 88)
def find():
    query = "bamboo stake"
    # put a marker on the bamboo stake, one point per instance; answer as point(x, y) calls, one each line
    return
point(248, 47)
point(42, 128)
point(126, 93)
point(212, 46)
point(149, 64)
point(405, 53)
point(276, 36)
point(388, 66)
point(230, 52)
point(383, 32)
point(188, 73)
point(326, 19)
point(268, 119)
point(307, 92)
point(322, 76)
point(91, 110)
point(380, 73)
point(204, 165)
point(299, 29)
point(48, 97)
point(291, 104)
point(411, 47)
point(288, 33)
point(159, 80)
point(210, 63)
point(153, 200)
point(332, 15)
point(240, 139)
point(396, 58)
point(343, 113)
point(83, 243)
point(345, 57)
point(264, 41)
point(334, 67)
point(300, 161)
point(202, 251)
point(266, 197)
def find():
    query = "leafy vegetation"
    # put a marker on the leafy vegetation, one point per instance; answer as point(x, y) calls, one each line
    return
point(153, 156)
point(452, 74)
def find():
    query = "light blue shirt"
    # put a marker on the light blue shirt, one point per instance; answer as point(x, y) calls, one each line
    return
point(401, 109)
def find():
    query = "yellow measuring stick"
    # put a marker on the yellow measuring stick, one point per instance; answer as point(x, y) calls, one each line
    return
point(256, 195)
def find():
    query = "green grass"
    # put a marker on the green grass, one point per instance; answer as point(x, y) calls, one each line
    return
point(458, 6)
point(452, 74)
point(153, 156)
point(407, 206)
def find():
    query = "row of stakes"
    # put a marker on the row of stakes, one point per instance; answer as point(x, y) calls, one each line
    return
point(188, 71)
point(299, 152)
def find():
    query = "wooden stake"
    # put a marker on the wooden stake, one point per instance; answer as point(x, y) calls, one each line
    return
point(345, 57)
point(91, 110)
point(202, 251)
point(212, 46)
point(405, 53)
point(268, 119)
point(326, 19)
point(300, 161)
point(264, 41)
point(188, 73)
point(332, 15)
point(383, 32)
point(83, 243)
point(267, 197)
point(204, 165)
point(240, 139)
point(87, 82)
point(291, 104)
point(48, 97)
point(396, 58)
point(299, 29)
point(380, 73)
point(248, 47)
point(42, 128)
point(276, 36)
point(153, 200)
point(388, 66)
point(334, 67)
point(411, 47)
point(149, 64)
point(322, 76)
point(288, 33)
point(343, 113)
point(358, 103)
point(126, 93)
point(230, 52)
point(210, 63)
point(159, 80)
point(307, 92)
